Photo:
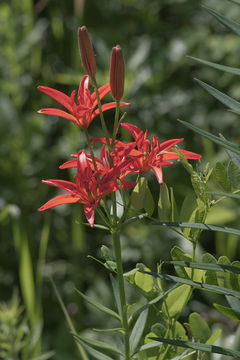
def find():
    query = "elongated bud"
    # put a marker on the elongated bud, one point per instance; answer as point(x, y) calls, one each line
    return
point(117, 73)
point(86, 51)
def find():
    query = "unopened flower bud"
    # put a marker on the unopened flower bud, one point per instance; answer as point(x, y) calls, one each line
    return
point(86, 51)
point(117, 73)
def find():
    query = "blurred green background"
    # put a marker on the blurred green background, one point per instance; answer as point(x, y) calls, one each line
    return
point(39, 47)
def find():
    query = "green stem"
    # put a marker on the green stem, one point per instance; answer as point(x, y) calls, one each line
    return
point(116, 123)
point(117, 250)
point(101, 114)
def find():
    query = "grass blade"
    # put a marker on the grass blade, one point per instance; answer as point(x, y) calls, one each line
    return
point(228, 69)
point(225, 143)
point(69, 321)
point(99, 306)
point(200, 226)
point(223, 98)
point(199, 347)
point(230, 24)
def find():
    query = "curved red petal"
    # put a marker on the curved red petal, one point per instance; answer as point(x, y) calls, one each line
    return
point(190, 155)
point(158, 172)
point(84, 84)
point(69, 164)
point(58, 112)
point(62, 184)
point(169, 143)
point(134, 130)
point(58, 96)
point(59, 200)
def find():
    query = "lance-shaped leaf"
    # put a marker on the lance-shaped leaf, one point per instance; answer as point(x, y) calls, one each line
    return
point(198, 285)
point(94, 353)
point(99, 306)
point(222, 142)
point(206, 266)
point(201, 226)
point(227, 311)
point(228, 69)
point(137, 330)
point(223, 98)
point(98, 344)
point(200, 347)
point(230, 24)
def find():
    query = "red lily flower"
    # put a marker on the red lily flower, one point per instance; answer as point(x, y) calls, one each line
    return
point(152, 154)
point(83, 111)
point(121, 166)
point(88, 188)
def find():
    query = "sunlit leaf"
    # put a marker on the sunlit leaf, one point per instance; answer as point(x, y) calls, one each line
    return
point(176, 301)
point(227, 311)
point(199, 328)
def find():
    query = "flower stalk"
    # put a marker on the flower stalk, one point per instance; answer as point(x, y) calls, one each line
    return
point(118, 256)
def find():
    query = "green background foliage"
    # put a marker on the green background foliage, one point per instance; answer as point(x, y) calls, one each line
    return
point(39, 46)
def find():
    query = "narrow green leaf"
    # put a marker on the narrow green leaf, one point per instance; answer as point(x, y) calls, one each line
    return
point(228, 69)
point(234, 196)
point(99, 306)
point(137, 331)
point(201, 347)
point(121, 330)
point(206, 266)
point(95, 353)
point(68, 320)
point(230, 24)
point(227, 311)
point(149, 202)
point(150, 345)
point(45, 356)
point(174, 210)
point(225, 143)
point(178, 255)
point(223, 229)
point(223, 98)
point(234, 157)
point(27, 279)
point(116, 293)
point(198, 285)
point(214, 337)
point(98, 344)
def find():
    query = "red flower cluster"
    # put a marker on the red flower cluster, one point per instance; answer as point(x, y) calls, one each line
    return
point(98, 177)
point(91, 184)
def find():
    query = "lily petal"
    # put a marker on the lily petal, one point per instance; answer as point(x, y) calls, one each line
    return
point(89, 213)
point(59, 200)
point(58, 112)
point(62, 184)
point(58, 96)
point(158, 172)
